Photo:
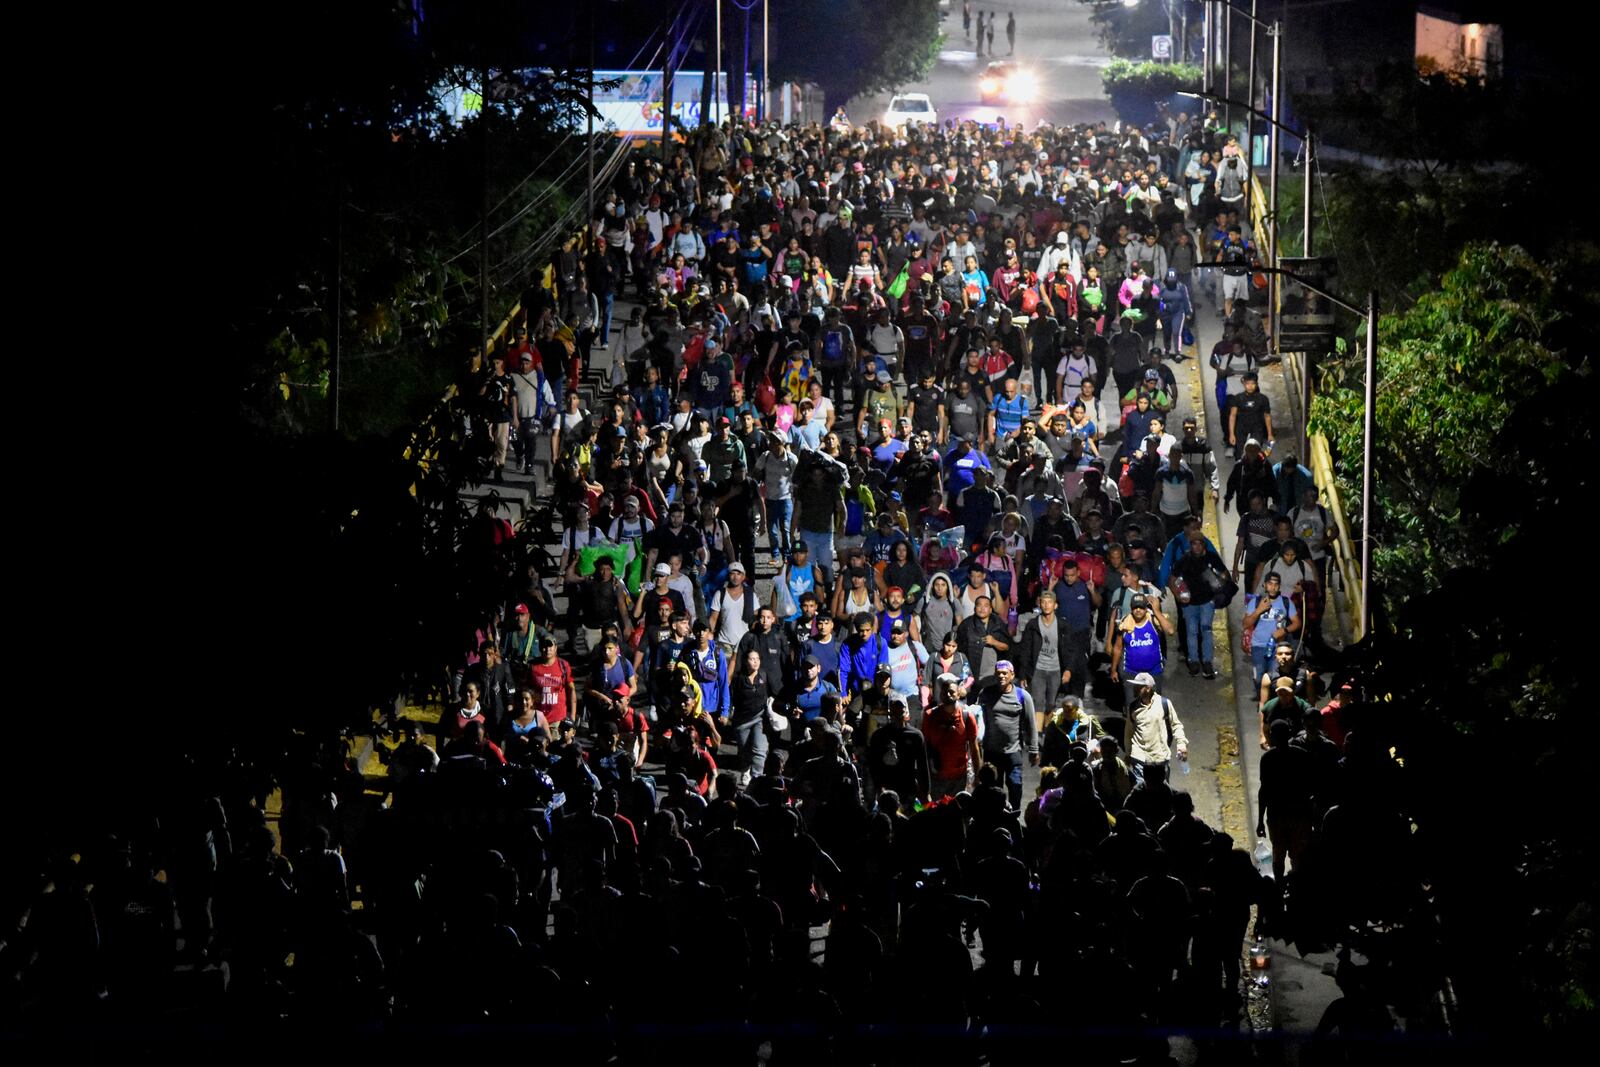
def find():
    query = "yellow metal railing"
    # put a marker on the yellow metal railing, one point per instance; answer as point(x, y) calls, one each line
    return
point(1343, 549)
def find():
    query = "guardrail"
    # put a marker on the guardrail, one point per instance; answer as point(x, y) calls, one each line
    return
point(1346, 557)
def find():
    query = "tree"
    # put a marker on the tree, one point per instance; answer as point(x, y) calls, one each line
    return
point(850, 47)
point(1125, 30)
point(1451, 370)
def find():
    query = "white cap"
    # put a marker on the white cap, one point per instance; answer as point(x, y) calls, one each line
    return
point(1144, 678)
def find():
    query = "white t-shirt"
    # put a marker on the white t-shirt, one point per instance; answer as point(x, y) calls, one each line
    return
point(731, 626)
point(1309, 526)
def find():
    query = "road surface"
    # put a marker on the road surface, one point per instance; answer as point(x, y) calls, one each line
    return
point(1055, 40)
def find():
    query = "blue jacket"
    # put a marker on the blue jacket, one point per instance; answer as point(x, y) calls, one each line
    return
point(858, 662)
point(713, 691)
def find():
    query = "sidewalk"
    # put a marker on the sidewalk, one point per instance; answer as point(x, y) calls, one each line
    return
point(1298, 990)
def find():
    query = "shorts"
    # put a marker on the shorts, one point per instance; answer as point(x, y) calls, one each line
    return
point(1236, 287)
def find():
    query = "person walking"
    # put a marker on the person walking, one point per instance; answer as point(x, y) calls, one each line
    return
point(1152, 732)
point(980, 33)
point(1011, 33)
point(1009, 729)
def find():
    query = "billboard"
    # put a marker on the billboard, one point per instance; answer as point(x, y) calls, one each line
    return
point(634, 104)
point(1305, 317)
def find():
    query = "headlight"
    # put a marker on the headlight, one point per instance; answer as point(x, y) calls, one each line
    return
point(1023, 86)
point(988, 85)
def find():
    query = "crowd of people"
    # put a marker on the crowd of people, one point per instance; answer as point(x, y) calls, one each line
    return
point(891, 495)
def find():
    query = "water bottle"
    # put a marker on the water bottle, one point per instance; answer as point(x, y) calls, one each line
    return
point(1263, 855)
point(1185, 761)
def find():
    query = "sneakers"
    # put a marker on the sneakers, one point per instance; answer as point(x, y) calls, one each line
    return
point(1194, 667)
point(1210, 672)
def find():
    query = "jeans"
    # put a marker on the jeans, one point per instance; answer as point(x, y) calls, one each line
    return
point(1261, 657)
point(605, 300)
point(779, 512)
point(821, 545)
point(1197, 629)
point(1137, 766)
point(751, 738)
point(1009, 764)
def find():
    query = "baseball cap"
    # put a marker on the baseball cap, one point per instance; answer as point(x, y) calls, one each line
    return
point(1283, 682)
point(521, 609)
point(1152, 375)
point(736, 566)
point(883, 376)
point(799, 547)
point(1061, 238)
point(662, 570)
point(1144, 678)
point(899, 626)
point(1248, 441)
point(1140, 601)
point(724, 421)
point(949, 679)
point(811, 661)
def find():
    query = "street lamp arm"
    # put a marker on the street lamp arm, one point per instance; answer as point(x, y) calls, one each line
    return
point(1237, 10)
point(1262, 115)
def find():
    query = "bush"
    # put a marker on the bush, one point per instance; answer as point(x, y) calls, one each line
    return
point(1136, 88)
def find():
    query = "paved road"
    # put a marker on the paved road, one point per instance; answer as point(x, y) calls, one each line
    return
point(1055, 41)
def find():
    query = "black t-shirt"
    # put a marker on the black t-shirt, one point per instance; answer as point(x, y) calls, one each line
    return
point(928, 402)
point(685, 541)
point(1253, 409)
point(553, 358)
point(495, 395)
point(979, 379)
point(921, 333)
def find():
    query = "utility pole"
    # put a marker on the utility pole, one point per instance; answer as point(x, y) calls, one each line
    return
point(766, 55)
point(1254, 24)
point(717, 107)
point(1272, 219)
point(1368, 433)
point(1227, 63)
point(338, 299)
point(588, 223)
point(1205, 42)
point(667, 64)
point(483, 244)
point(1305, 213)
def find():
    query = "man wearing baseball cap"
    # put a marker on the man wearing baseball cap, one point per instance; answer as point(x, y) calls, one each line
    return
point(646, 607)
point(1151, 732)
point(1136, 646)
point(520, 644)
point(879, 403)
